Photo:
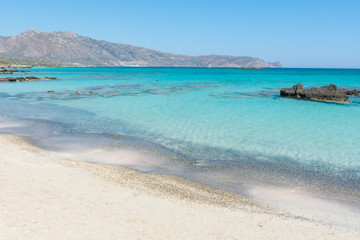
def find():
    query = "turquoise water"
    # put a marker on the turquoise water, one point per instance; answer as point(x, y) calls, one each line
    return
point(205, 116)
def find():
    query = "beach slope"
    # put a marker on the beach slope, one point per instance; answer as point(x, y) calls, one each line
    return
point(45, 195)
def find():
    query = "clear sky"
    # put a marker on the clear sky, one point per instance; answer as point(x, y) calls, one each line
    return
point(298, 33)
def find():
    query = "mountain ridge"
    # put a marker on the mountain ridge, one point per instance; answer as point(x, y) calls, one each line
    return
point(71, 48)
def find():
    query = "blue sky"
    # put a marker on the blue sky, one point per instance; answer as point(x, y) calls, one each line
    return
point(317, 33)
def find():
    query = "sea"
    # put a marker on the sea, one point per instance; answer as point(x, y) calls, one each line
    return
point(225, 127)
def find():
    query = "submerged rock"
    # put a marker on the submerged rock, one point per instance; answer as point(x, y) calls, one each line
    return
point(87, 93)
point(326, 93)
point(353, 92)
point(32, 78)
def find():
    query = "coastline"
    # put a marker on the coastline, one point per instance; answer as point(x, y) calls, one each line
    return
point(47, 194)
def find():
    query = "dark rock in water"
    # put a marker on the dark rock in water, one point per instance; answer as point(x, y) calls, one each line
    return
point(5, 71)
point(326, 93)
point(24, 79)
point(10, 71)
point(51, 91)
point(31, 78)
point(10, 79)
point(295, 91)
point(353, 92)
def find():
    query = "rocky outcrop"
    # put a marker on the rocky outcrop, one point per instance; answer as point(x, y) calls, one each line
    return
point(326, 93)
point(295, 91)
point(25, 79)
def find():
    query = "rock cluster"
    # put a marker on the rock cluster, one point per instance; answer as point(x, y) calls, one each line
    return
point(6, 71)
point(326, 93)
point(25, 79)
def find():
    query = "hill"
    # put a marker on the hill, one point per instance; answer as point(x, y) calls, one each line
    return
point(72, 49)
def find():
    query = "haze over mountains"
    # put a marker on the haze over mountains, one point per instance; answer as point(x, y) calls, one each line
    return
point(72, 48)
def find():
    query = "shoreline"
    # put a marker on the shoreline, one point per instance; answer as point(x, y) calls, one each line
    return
point(327, 204)
point(48, 194)
point(145, 156)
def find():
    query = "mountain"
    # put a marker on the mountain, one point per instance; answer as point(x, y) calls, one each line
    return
point(71, 48)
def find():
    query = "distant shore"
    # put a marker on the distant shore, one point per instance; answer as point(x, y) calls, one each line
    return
point(48, 195)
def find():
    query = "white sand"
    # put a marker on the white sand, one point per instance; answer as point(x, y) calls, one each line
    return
point(44, 197)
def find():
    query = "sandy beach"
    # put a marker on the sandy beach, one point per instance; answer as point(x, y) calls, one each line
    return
point(194, 120)
point(46, 195)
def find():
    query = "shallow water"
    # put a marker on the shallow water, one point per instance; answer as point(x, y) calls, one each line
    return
point(217, 126)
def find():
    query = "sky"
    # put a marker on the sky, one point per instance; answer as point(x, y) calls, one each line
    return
point(307, 33)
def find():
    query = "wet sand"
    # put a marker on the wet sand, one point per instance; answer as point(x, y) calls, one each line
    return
point(48, 195)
